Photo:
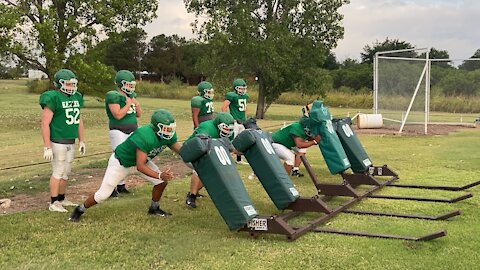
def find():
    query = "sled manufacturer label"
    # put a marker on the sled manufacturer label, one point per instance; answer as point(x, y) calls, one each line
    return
point(367, 162)
point(258, 224)
point(294, 192)
point(250, 210)
point(346, 162)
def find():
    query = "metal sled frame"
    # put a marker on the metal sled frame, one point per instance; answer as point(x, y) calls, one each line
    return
point(386, 171)
point(348, 190)
point(278, 224)
point(352, 180)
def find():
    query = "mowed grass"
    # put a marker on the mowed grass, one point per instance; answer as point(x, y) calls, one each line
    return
point(119, 235)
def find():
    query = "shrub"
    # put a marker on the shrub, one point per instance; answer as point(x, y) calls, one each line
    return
point(38, 86)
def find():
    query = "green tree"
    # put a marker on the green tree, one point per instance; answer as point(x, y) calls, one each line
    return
point(331, 61)
point(282, 43)
point(355, 76)
point(95, 78)
point(471, 64)
point(165, 55)
point(388, 45)
point(45, 34)
point(125, 50)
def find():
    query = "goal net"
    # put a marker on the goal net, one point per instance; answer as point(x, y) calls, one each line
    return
point(422, 91)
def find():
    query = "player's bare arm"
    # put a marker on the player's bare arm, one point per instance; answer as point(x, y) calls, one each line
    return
point(141, 163)
point(300, 143)
point(195, 112)
point(175, 147)
point(225, 105)
point(47, 116)
point(118, 112)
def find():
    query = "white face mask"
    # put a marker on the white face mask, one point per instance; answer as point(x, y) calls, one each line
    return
point(209, 94)
point(166, 132)
point(225, 130)
point(241, 90)
point(128, 87)
point(69, 87)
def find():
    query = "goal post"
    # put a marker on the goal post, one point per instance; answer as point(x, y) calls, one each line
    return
point(407, 89)
point(401, 87)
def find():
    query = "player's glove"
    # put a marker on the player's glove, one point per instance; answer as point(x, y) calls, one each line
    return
point(81, 148)
point(47, 153)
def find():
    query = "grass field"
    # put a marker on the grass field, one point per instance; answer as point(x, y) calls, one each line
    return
point(119, 235)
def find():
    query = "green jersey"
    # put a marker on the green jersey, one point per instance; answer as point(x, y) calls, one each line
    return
point(66, 113)
point(205, 106)
point(114, 97)
point(207, 128)
point(284, 136)
point(145, 139)
point(238, 105)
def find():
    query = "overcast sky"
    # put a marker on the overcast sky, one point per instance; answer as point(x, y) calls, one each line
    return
point(451, 25)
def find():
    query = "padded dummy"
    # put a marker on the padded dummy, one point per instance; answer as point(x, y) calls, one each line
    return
point(330, 145)
point(256, 145)
point(351, 144)
point(219, 175)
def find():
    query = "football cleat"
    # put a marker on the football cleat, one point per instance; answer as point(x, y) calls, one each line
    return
point(57, 207)
point(122, 189)
point(296, 173)
point(191, 200)
point(75, 216)
point(114, 194)
point(158, 212)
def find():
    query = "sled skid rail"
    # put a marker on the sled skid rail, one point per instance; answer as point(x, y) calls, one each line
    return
point(420, 199)
point(372, 213)
point(427, 237)
point(450, 188)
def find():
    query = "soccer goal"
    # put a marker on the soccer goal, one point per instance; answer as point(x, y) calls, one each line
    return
point(402, 89)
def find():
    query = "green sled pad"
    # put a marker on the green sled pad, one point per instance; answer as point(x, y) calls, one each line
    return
point(332, 150)
point(256, 145)
point(219, 175)
point(356, 154)
point(194, 148)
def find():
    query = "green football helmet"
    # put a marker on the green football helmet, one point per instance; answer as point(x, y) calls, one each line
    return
point(125, 80)
point(224, 122)
point(66, 81)
point(240, 86)
point(205, 89)
point(163, 124)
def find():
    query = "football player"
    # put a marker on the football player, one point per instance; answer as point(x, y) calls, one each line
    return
point(123, 110)
point(202, 105)
point(236, 102)
point(221, 126)
point(291, 140)
point(61, 125)
point(135, 154)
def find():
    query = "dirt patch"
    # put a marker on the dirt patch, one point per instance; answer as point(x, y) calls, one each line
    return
point(412, 130)
point(83, 183)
